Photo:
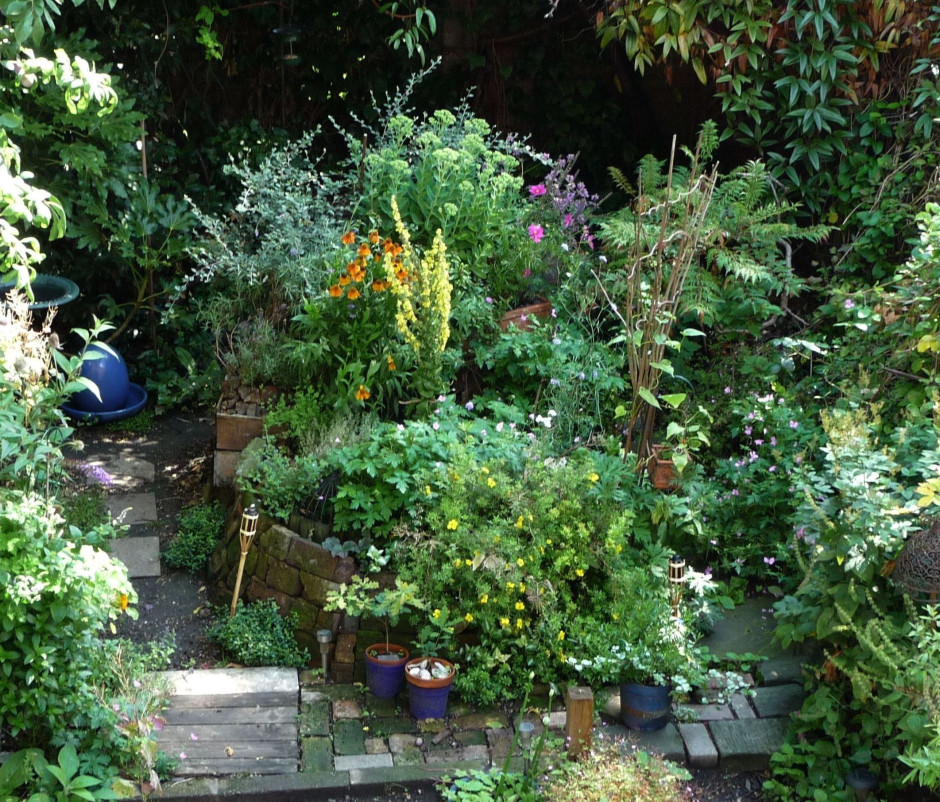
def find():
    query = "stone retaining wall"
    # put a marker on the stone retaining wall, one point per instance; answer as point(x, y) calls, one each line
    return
point(297, 574)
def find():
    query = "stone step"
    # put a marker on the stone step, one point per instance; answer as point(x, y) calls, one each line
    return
point(132, 508)
point(140, 555)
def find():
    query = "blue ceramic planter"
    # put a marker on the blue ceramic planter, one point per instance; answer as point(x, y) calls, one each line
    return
point(107, 370)
point(427, 698)
point(644, 707)
point(385, 673)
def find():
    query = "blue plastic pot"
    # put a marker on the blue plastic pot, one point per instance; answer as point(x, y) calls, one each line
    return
point(385, 671)
point(105, 367)
point(644, 707)
point(427, 698)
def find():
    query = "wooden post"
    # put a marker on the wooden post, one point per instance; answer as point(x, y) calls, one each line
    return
point(579, 723)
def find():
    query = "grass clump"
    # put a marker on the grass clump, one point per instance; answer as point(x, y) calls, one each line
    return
point(257, 635)
point(199, 530)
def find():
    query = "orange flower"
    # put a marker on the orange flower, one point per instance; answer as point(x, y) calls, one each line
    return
point(374, 237)
point(350, 266)
point(379, 285)
point(356, 273)
point(364, 250)
point(362, 393)
point(344, 280)
point(401, 274)
point(336, 291)
point(388, 245)
point(122, 601)
point(348, 238)
point(353, 294)
point(391, 362)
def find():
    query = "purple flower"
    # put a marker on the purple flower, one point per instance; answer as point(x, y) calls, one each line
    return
point(469, 406)
point(748, 430)
point(536, 233)
point(773, 441)
point(536, 190)
point(527, 272)
point(849, 303)
point(488, 299)
point(727, 391)
point(568, 220)
point(769, 560)
point(794, 424)
point(772, 468)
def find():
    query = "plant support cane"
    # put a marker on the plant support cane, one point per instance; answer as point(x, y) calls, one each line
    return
point(245, 536)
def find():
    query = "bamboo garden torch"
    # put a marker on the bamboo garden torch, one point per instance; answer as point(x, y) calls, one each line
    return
point(246, 533)
point(676, 581)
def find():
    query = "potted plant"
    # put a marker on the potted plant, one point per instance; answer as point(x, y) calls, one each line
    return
point(643, 647)
point(430, 678)
point(385, 662)
point(670, 458)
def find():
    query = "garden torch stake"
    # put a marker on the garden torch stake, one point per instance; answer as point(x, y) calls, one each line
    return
point(676, 581)
point(245, 534)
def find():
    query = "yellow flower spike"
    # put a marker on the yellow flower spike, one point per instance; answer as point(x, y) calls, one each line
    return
point(427, 490)
point(518, 623)
point(436, 614)
point(580, 572)
point(452, 524)
point(468, 618)
point(520, 605)
point(519, 522)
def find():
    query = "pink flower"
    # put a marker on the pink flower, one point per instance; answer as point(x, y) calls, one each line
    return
point(536, 190)
point(569, 220)
point(536, 233)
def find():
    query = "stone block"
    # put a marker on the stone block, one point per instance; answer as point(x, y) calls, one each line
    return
point(376, 746)
point(782, 670)
point(557, 720)
point(665, 742)
point(316, 588)
point(133, 508)
point(345, 651)
point(394, 724)
point(307, 618)
point(463, 754)
point(741, 707)
point(338, 691)
point(346, 708)
point(710, 712)
point(384, 708)
point(311, 558)
point(314, 718)
point(140, 555)
point(747, 744)
point(340, 672)
point(486, 719)
point(283, 578)
point(344, 570)
point(778, 700)
point(349, 737)
point(499, 742)
point(223, 467)
point(350, 762)
point(409, 756)
point(471, 738)
point(276, 541)
point(316, 754)
point(400, 741)
point(699, 746)
point(328, 621)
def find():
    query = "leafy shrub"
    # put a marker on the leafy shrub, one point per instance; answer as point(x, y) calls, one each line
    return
point(199, 530)
point(56, 598)
point(257, 635)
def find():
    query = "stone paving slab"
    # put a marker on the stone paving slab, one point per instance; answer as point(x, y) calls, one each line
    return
point(702, 752)
point(349, 762)
point(232, 680)
point(747, 745)
point(140, 555)
point(119, 472)
point(666, 741)
point(133, 508)
point(778, 700)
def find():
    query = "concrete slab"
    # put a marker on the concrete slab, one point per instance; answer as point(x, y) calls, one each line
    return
point(710, 712)
point(348, 737)
point(666, 742)
point(742, 707)
point(316, 754)
point(778, 700)
point(781, 670)
point(748, 628)
point(122, 471)
point(314, 718)
point(747, 745)
point(133, 508)
point(350, 762)
point(140, 555)
point(223, 681)
point(699, 745)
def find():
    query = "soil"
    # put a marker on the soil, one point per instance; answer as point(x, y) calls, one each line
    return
point(181, 448)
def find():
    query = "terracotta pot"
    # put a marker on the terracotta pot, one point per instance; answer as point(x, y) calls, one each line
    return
point(521, 318)
point(662, 471)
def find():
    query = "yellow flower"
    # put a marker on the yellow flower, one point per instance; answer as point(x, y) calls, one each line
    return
point(580, 572)
point(436, 614)
point(457, 563)
point(520, 562)
point(549, 542)
point(484, 598)
point(518, 623)
point(519, 522)
point(496, 538)
point(427, 490)
point(484, 469)
point(561, 635)
point(491, 482)
point(510, 585)
point(615, 616)
point(504, 622)
point(353, 294)
point(520, 605)
point(521, 588)
point(390, 360)
point(452, 524)
point(593, 477)
point(468, 618)
point(362, 393)
point(468, 563)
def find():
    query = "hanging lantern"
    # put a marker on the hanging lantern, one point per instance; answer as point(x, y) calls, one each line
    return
point(917, 569)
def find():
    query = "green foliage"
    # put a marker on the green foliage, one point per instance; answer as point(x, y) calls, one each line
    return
point(198, 534)
point(60, 781)
point(55, 602)
point(257, 635)
point(358, 597)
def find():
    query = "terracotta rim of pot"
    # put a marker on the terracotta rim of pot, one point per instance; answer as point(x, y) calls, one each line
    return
point(392, 649)
point(431, 683)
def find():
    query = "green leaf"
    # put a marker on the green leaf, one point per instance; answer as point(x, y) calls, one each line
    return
point(674, 399)
point(648, 397)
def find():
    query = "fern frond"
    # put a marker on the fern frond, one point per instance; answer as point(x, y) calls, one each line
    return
point(621, 181)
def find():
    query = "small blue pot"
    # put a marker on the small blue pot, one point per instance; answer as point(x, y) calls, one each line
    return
point(385, 673)
point(427, 698)
point(644, 707)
